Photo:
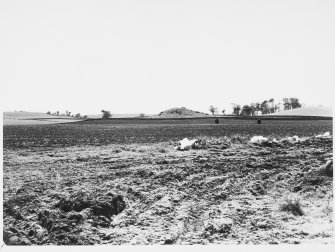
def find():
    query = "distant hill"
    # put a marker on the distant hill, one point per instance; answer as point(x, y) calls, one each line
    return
point(25, 115)
point(180, 113)
point(27, 118)
point(97, 116)
point(306, 111)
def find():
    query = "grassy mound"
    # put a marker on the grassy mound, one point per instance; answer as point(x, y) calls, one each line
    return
point(180, 112)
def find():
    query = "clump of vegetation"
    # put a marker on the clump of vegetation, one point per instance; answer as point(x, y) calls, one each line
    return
point(291, 203)
point(106, 114)
point(237, 138)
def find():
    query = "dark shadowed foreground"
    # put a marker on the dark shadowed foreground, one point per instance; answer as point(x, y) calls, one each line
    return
point(228, 191)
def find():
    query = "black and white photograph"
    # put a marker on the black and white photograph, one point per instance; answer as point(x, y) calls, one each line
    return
point(159, 124)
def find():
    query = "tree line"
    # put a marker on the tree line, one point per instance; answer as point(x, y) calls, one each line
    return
point(67, 113)
point(255, 108)
point(264, 107)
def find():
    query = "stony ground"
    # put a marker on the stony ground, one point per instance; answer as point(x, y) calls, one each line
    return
point(226, 192)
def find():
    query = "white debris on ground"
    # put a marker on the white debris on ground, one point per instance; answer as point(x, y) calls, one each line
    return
point(294, 139)
point(258, 139)
point(185, 144)
point(261, 140)
point(326, 134)
point(275, 140)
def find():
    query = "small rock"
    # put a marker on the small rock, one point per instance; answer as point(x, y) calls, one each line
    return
point(86, 213)
point(263, 224)
point(257, 188)
point(14, 230)
point(24, 241)
point(6, 236)
point(297, 188)
point(60, 227)
point(109, 206)
point(203, 160)
point(329, 168)
point(14, 240)
point(168, 241)
point(103, 218)
point(221, 195)
point(222, 226)
point(75, 216)
point(31, 232)
point(41, 233)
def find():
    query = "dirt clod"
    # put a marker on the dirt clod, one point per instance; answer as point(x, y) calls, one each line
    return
point(220, 226)
point(329, 168)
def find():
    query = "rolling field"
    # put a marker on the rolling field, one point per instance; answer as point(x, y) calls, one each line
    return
point(122, 182)
point(306, 111)
point(34, 118)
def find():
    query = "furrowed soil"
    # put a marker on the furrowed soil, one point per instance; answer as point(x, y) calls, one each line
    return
point(143, 191)
point(103, 132)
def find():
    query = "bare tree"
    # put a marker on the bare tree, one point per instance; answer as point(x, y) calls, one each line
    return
point(212, 109)
point(271, 102)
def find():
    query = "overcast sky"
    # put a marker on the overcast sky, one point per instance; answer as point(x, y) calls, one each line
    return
point(150, 55)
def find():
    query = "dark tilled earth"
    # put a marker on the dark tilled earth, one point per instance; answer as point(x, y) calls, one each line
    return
point(226, 192)
point(105, 132)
